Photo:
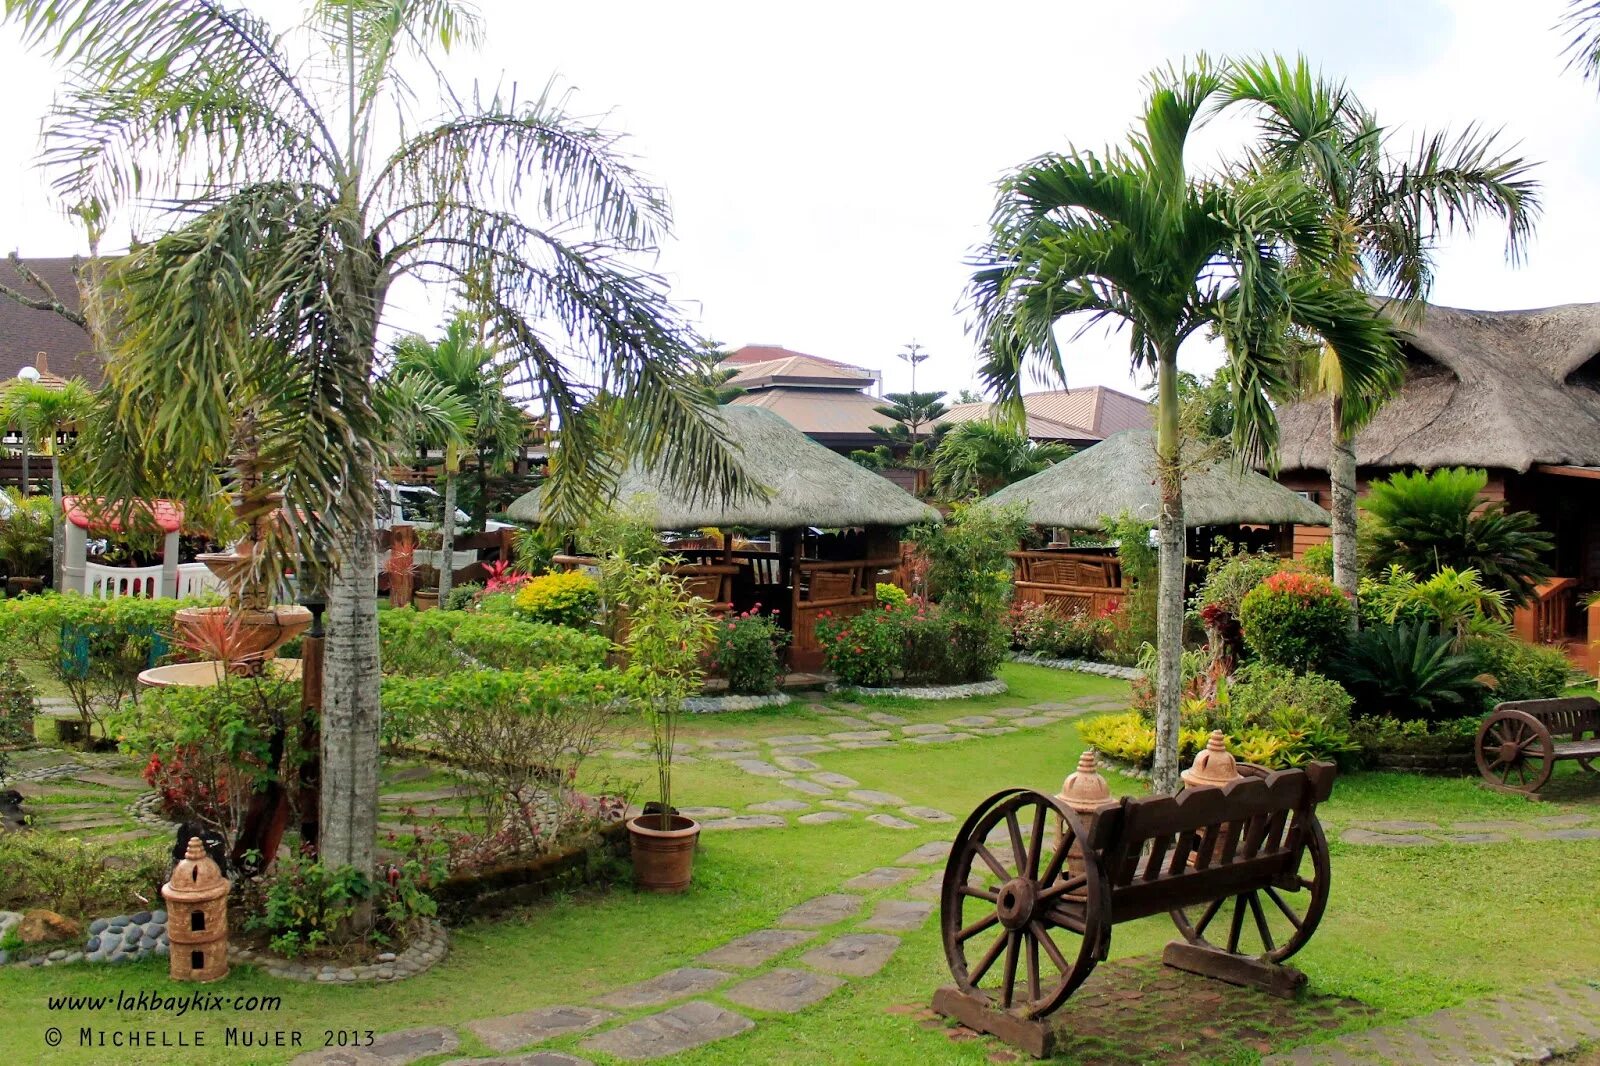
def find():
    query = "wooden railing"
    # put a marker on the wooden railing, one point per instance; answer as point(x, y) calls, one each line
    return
point(1070, 581)
point(1543, 620)
point(842, 589)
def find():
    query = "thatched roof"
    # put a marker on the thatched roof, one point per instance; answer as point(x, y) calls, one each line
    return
point(1485, 388)
point(1119, 474)
point(809, 486)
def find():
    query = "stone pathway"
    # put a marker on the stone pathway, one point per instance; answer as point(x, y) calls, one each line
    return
point(1528, 1027)
point(1576, 825)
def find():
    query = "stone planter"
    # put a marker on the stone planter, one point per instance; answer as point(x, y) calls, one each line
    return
point(663, 859)
point(425, 599)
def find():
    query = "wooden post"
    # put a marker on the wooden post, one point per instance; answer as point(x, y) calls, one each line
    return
point(402, 564)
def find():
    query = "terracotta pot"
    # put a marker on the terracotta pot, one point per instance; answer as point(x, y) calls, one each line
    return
point(663, 859)
point(16, 586)
point(425, 600)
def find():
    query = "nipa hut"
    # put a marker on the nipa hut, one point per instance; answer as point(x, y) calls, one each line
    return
point(822, 536)
point(1514, 392)
point(1118, 476)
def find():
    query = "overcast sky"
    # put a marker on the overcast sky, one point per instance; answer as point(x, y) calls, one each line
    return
point(831, 164)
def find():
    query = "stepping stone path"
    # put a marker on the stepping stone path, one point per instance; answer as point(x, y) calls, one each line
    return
point(927, 814)
point(846, 805)
point(926, 729)
point(932, 851)
point(759, 768)
point(882, 877)
point(679, 1029)
point(823, 818)
point(872, 796)
point(745, 821)
point(784, 990)
point(755, 948)
point(795, 764)
point(853, 955)
point(853, 723)
point(898, 915)
point(532, 1058)
point(820, 911)
point(388, 1049)
point(674, 984)
point(973, 719)
point(536, 1026)
point(880, 718)
point(410, 799)
point(801, 784)
point(706, 812)
point(803, 749)
point(798, 738)
point(123, 784)
point(889, 821)
point(861, 734)
point(940, 738)
point(779, 806)
point(861, 745)
point(931, 889)
point(728, 745)
point(833, 780)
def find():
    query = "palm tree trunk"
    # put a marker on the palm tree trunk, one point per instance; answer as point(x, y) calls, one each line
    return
point(1169, 601)
point(1342, 482)
point(447, 538)
point(27, 482)
point(350, 711)
point(58, 531)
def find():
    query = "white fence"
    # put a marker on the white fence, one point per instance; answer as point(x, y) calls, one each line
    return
point(196, 579)
point(109, 582)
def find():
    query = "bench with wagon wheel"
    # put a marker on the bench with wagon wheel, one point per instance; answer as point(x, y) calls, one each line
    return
point(1032, 889)
point(1521, 741)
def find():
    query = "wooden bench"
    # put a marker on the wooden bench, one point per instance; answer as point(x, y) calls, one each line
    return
point(1031, 892)
point(1521, 741)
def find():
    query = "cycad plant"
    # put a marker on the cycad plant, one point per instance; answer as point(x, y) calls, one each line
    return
point(305, 177)
point(1131, 237)
point(1409, 671)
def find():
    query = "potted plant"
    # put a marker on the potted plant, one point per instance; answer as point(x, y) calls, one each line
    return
point(668, 630)
point(25, 541)
point(426, 596)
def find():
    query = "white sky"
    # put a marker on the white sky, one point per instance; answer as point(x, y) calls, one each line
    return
point(830, 164)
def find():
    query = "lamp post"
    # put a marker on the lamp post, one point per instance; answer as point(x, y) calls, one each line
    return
point(912, 354)
point(30, 375)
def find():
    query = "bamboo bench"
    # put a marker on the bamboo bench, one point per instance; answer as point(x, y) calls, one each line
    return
point(1518, 739)
point(1256, 842)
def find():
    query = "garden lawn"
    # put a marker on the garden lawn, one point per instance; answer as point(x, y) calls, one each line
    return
point(1408, 929)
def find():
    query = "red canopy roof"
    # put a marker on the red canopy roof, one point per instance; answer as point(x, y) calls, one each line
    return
point(97, 514)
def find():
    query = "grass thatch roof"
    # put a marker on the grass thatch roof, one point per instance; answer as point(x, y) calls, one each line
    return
point(1119, 474)
point(1484, 388)
point(808, 486)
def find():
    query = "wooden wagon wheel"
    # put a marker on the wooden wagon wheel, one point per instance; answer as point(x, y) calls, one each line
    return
point(1269, 923)
point(1016, 907)
point(1515, 744)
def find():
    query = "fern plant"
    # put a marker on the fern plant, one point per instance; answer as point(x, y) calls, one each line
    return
point(1409, 672)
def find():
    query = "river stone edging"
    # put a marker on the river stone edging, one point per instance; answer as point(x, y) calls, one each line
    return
point(121, 938)
point(1082, 666)
point(426, 949)
point(724, 704)
point(995, 687)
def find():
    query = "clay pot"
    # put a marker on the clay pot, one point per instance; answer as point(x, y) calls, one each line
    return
point(16, 586)
point(663, 859)
point(425, 599)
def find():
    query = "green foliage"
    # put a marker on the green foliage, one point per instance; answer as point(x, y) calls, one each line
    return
point(862, 649)
point(1045, 630)
point(79, 878)
point(533, 549)
point(1451, 602)
point(976, 458)
point(890, 594)
point(1294, 620)
point(1318, 559)
point(1129, 738)
point(969, 576)
point(1521, 671)
point(567, 598)
point(209, 748)
point(304, 907)
point(25, 535)
point(749, 652)
point(1408, 671)
point(1380, 735)
point(1306, 715)
point(1135, 623)
point(911, 438)
point(462, 596)
point(17, 703)
point(1430, 521)
point(511, 644)
point(1231, 573)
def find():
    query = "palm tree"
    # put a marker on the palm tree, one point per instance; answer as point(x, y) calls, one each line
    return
point(976, 458)
point(41, 413)
point(1582, 24)
point(1131, 237)
point(1384, 213)
point(470, 370)
point(305, 184)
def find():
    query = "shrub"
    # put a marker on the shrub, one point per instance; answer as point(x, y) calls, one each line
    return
point(25, 535)
point(512, 644)
point(926, 639)
point(1408, 671)
point(861, 649)
point(1133, 625)
point(1384, 738)
point(567, 598)
point(749, 652)
point(1231, 574)
point(1451, 601)
point(79, 878)
point(1426, 522)
point(1043, 629)
point(1318, 559)
point(17, 696)
point(1294, 620)
point(969, 576)
point(462, 596)
point(1128, 738)
point(209, 749)
point(1521, 671)
point(305, 907)
point(890, 595)
point(414, 643)
point(1308, 716)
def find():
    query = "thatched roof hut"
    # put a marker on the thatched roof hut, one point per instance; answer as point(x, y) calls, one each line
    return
point(1507, 389)
point(1119, 474)
point(808, 486)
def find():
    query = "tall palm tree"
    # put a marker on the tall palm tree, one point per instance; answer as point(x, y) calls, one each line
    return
point(305, 183)
point(472, 371)
point(1582, 25)
point(1384, 212)
point(1133, 238)
point(976, 458)
point(41, 413)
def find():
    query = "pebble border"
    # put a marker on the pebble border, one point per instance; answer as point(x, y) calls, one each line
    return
point(724, 704)
point(122, 938)
point(995, 687)
point(425, 951)
point(1082, 666)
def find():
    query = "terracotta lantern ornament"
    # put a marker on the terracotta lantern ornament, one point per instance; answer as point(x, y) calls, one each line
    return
point(1214, 766)
point(197, 917)
point(1086, 792)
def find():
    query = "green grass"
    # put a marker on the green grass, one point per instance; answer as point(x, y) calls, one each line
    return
point(1407, 930)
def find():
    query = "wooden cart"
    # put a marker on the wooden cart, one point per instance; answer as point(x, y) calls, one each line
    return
point(1520, 742)
point(1044, 901)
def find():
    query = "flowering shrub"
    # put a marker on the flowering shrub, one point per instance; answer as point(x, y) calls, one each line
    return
point(1042, 629)
point(304, 906)
point(1295, 620)
point(926, 636)
point(16, 711)
point(569, 598)
point(862, 649)
point(1231, 574)
point(749, 651)
point(501, 577)
point(890, 595)
point(969, 576)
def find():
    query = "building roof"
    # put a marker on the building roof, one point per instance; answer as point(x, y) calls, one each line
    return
point(26, 332)
point(1036, 427)
point(1100, 410)
point(802, 371)
point(1507, 389)
point(1119, 474)
point(766, 353)
point(839, 417)
point(807, 484)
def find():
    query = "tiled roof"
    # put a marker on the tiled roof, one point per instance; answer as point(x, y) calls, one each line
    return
point(26, 332)
point(802, 370)
point(1039, 427)
point(766, 353)
point(1096, 408)
point(825, 415)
